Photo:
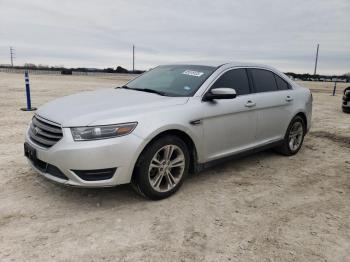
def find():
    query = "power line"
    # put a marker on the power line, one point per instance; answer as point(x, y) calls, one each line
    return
point(12, 54)
point(318, 45)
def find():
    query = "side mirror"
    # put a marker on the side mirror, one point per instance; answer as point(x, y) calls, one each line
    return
point(220, 93)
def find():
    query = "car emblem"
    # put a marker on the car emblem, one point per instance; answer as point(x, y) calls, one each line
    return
point(36, 130)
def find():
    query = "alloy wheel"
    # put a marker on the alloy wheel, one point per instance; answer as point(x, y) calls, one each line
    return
point(166, 168)
point(296, 136)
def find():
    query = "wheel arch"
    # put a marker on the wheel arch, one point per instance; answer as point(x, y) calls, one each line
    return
point(189, 141)
point(346, 89)
point(303, 116)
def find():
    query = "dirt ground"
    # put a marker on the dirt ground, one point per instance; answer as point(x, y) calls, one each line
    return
point(264, 207)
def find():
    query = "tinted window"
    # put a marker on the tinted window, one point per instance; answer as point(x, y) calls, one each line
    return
point(282, 85)
point(264, 81)
point(236, 79)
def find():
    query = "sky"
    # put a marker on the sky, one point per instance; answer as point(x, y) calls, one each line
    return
point(100, 34)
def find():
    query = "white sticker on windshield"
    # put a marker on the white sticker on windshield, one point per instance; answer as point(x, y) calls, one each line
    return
point(193, 73)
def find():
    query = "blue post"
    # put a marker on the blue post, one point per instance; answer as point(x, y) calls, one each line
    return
point(29, 104)
point(26, 77)
point(335, 87)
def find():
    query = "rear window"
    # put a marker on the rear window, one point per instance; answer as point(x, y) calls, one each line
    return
point(236, 79)
point(264, 81)
point(282, 85)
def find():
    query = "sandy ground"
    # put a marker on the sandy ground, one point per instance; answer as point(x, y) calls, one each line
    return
point(264, 207)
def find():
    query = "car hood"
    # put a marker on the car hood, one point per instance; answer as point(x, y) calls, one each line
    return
point(104, 107)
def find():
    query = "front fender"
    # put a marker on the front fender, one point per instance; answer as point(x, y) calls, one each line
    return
point(194, 135)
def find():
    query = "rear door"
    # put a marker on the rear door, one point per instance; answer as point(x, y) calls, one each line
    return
point(274, 100)
point(229, 125)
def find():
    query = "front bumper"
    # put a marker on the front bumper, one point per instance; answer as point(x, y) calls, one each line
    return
point(119, 154)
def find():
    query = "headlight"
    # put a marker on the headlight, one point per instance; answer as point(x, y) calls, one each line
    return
point(102, 132)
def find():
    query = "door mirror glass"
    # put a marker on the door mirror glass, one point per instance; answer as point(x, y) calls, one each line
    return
point(220, 93)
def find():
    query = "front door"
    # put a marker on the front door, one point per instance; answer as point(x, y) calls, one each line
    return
point(229, 125)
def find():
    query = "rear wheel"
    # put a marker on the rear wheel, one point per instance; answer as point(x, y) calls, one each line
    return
point(294, 137)
point(346, 100)
point(161, 168)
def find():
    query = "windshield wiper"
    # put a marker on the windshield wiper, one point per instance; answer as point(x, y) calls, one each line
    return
point(146, 90)
point(151, 91)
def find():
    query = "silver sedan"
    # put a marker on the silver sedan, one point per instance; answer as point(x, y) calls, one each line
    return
point(168, 122)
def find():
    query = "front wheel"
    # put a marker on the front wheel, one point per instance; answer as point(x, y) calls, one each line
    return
point(346, 110)
point(161, 168)
point(294, 137)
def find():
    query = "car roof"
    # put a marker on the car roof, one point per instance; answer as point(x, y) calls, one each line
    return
point(219, 63)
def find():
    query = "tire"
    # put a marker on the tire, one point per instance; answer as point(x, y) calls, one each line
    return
point(346, 110)
point(158, 176)
point(287, 147)
point(346, 99)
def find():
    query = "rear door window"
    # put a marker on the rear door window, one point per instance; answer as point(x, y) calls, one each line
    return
point(264, 81)
point(281, 84)
point(236, 79)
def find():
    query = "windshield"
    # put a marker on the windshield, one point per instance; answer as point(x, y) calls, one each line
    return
point(172, 80)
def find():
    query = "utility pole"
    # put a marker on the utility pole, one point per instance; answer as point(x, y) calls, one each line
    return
point(12, 54)
point(318, 45)
point(133, 58)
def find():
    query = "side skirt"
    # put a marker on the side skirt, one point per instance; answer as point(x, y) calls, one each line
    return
point(203, 166)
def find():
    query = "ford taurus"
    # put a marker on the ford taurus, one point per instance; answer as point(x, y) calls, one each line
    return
point(168, 122)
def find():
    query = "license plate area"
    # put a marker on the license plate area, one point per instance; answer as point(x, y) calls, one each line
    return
point(30, 152)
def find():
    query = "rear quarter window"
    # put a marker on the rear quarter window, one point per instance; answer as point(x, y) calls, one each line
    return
point(264, 81)
point(281, 84)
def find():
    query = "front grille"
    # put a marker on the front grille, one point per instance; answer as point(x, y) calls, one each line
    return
point(44, 133)
point(48, 168)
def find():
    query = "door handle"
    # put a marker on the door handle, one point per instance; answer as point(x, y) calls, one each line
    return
point(289, 99)
point(250, 104)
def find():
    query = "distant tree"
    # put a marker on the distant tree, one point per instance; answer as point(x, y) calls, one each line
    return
point(108, 70)
point(346, 76)
point(120, 69)
point(30, 66)
point(66, 72)
point(81, 69)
